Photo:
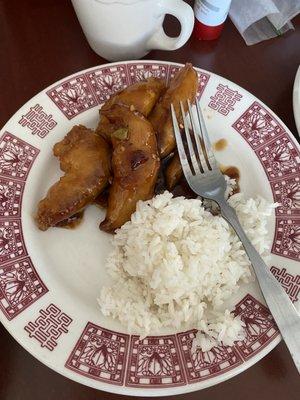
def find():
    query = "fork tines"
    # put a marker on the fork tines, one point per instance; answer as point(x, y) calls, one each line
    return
point(197, 155)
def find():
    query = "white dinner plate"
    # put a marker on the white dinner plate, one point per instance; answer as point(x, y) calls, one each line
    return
point(49, 281)
point(296, 100)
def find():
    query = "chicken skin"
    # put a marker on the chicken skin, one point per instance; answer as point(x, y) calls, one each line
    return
point(135, 165)
point(183, 87)
point(141, 97)
point(173, 172)
point(85, 159)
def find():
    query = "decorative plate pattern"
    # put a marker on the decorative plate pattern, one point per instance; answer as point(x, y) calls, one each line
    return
point(286, 193)
point(11, 193)
point(107, 81)
point(49, 326)
point(260, 327)
point(20, 287)
point(16, 157)
point(100, 354)
point(224, 99)
point(80, 347)
point(37, 121)
point(199, 365)
point(11, 241)
point(287, 238)
point(154, 361)
point(140, 72)
point(73, 96)
point(280, 158)
point(258, 126)
point(291, 283)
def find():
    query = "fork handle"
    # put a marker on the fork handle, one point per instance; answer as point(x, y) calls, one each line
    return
point(282, 309)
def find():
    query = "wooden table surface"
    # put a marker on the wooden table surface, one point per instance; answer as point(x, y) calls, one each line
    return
point(41, 42)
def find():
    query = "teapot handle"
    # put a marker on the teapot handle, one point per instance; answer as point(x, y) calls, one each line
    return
point(185, 15)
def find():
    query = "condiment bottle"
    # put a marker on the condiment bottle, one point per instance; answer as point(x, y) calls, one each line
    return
point(210, 16)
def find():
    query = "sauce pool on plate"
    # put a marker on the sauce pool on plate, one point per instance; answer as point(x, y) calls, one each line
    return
point(233, 173)
point(220, 144)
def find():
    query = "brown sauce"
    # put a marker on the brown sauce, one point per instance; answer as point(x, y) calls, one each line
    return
point(220, 144)
point(233, 173)
point(230, 171)
point(183, 189)
point(161, 184)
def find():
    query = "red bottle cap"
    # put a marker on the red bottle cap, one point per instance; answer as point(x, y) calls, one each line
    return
point(206, 32)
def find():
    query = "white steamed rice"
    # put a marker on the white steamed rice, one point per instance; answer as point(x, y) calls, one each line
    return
point(175, 264)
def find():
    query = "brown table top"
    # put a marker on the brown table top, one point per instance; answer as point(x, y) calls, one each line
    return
point(41, 42)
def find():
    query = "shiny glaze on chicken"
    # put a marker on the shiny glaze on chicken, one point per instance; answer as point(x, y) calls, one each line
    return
point(182, 87)
point(135, 165)
point(85, 159)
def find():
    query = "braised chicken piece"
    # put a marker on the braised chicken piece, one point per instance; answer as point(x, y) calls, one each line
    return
point(135, 165)
point(182, 87)
point(72, 222)
point(85, 159)
point(173, 172)
point(141, 97)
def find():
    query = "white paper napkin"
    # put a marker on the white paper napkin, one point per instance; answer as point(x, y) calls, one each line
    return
point(258, 20)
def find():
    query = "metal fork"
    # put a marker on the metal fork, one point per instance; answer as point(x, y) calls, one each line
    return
point(203, 175)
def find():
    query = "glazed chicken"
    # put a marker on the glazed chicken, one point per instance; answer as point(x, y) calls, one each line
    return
point(182, 87)
point(85, 159)
point(141, 97)
point(173, 172)
point(119, 164)
point(135, 165)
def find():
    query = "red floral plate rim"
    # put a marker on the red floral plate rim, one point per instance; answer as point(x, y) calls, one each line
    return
point(86, 351)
